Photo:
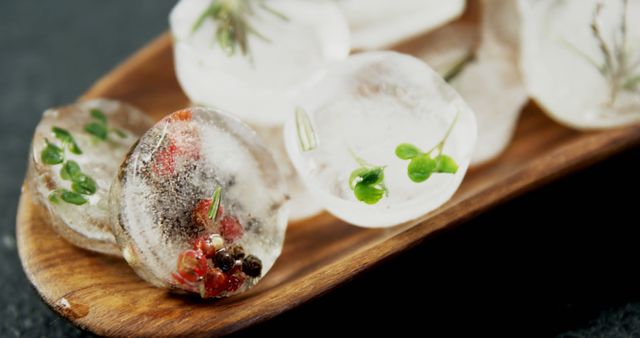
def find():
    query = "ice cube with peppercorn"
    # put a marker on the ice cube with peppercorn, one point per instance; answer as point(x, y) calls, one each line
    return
point(199, 205)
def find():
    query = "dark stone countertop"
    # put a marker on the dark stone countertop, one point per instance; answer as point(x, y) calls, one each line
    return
point(558, 261)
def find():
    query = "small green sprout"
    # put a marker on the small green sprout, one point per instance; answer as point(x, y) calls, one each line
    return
point(67, 196)
point(367, 181)
point(67, 140)
point(99, 127)
point(423, 164)
point(51, 154)
point(81, 183)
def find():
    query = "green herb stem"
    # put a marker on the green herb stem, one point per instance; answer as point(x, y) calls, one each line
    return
point(444, 139)
point(457, 67)
point(360, 160)
point(215, 203)
point(307, 138)
point(616, 67)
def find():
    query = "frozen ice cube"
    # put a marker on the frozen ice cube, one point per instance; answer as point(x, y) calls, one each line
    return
point(349, 125)
point(379, 24)
point(164, 212)
point(283, 55)
point(74, 157)
point(581, 60)
point(487, 75)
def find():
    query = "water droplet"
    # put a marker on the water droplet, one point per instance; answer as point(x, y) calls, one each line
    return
point(71, 309)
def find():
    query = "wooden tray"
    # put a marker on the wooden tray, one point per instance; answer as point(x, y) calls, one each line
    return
point(102, 294)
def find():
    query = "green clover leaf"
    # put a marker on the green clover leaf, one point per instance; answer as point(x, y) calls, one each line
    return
point(51, 154)
point(420, 168)
point(84, 184)
point(446, 164)
point(367, 181)
point(368, 194)
point(70, 170)
point(97, 129)
point(422, 164)
point(406, 151)
point(67, 196)
point(67, 140)
point(98, 115)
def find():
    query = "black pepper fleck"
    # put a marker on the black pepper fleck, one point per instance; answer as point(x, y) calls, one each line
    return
point(224, 261)
point(252, 266)
point(236, 251)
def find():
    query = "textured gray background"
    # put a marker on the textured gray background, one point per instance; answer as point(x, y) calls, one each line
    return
point(560, 260)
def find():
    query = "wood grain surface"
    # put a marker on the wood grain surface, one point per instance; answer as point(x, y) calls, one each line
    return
point(102, 294)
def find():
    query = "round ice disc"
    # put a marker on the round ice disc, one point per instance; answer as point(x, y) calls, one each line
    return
point(345, 136)
point(491, 83)
point(379, 24)
point(75, 154)
point(301, 203)
point(581, 60)
point(294, 41)
point(198, 205)
point(487, 75)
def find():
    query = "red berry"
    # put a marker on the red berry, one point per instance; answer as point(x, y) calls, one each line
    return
point(215, 282)
point(179, 279)
point(230, 228)
point(220, 212)
point(184, 284)
point(186, 136)
point(180, 115)
point(192, 265)
point(202, 244)
point(164, 163)
point(208, 244)
point(235, 281)
point(189, 149)
point(237, 268)
point(200, 215)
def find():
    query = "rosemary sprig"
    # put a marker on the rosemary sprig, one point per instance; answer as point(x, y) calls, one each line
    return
point(616, 67)
point(215, 203)
point(232, 26)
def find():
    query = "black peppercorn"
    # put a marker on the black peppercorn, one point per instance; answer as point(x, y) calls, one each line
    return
point(236, 251)
point(252, 266)
point(224, 261)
